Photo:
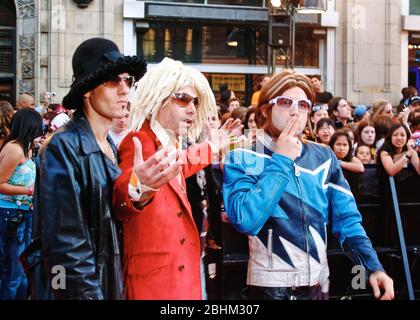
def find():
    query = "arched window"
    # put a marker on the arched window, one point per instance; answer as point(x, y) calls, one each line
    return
point(7, 50)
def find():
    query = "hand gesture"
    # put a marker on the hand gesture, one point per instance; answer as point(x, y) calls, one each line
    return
point(380, 280)
point(159, 169)
point(287, 143)
point(410, 146)
point(403, 115)
point(220, 138)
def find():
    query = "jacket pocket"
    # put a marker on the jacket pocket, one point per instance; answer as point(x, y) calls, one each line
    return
point(147, 264)
point(270, 249)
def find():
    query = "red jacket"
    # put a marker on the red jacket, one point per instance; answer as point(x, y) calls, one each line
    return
point(161, 257)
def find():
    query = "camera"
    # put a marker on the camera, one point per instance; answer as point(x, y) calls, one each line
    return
point(416, 137)
point(50, 93)
point(13, 225)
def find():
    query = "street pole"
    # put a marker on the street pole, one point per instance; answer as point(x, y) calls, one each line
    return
point(271, 51)
point(287, 49)
point(292, 35)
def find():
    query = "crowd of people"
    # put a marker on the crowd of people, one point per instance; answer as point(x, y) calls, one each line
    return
point(128, 194)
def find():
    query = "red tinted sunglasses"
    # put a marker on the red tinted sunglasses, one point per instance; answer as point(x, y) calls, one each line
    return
point(183, 99)
point(113, 83)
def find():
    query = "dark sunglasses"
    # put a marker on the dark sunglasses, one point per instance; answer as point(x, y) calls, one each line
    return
point(113, 83)
point(184, 99)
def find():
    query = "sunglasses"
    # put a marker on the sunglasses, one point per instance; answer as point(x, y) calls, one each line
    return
point(184, 99)
point(113, 83)
point(286, 103)
point(318, 107)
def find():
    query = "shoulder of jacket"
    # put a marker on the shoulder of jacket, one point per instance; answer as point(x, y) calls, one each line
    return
point(61, 137)
point(245, 158)
point(317, 145)
point(144, 137)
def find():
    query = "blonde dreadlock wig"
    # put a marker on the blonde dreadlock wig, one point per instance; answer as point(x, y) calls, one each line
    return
point(160, 83)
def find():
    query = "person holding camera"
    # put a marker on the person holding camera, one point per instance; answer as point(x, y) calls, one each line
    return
point(45, 101)
point(17, 178)
point(397, 152)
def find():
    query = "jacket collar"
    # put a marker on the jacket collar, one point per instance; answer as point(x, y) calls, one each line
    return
point(179, 187)
point(87, 138)
point(269, 144)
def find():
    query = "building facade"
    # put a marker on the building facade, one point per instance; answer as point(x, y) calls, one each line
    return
point(363, 50)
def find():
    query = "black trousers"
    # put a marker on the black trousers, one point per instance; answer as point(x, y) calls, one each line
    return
point(286, 293)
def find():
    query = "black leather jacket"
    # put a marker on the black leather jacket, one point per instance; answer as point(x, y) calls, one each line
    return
point(73, 220)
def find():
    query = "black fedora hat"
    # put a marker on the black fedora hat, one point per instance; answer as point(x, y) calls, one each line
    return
point(95, 61)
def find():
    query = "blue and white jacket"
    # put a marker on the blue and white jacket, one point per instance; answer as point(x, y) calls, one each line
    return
point(284, 206)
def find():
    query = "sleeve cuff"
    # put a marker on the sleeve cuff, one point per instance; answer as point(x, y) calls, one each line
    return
point(137, 190)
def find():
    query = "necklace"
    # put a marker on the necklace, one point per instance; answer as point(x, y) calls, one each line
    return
point(108, 152)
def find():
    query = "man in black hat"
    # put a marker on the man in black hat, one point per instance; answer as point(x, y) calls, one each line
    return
point(75, 252)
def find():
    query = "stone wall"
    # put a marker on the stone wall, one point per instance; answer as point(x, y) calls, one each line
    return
point(368, 50)
point(26, 34)
point(62, 27)
point(368, 54)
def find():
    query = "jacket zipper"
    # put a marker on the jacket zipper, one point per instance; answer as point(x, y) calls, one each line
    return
point(270, 249)
point(304, 223)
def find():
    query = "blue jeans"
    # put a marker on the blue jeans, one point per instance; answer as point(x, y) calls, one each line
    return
point(15, 236)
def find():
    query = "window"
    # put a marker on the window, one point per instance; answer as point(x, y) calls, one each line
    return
point(306, 49)
point(253, 3)
point(180, 1)
point(207, 44)
point(415, 7)
point(6, 51)
point(202, 43)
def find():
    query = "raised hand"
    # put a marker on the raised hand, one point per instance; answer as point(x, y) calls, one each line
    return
point(403, 115)
point(220, 138)
point(159, 169)
point(287, 143)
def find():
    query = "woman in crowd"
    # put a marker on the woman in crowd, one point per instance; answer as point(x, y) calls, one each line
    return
point(250, 126)
point(397, 153)
point(324, 130)
point(249, 122)
point(6, 114)
point(366, 135)
point(381, 124)
point(381, 107)
point(17, 178)
point(319, 111)
point(341, 144)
